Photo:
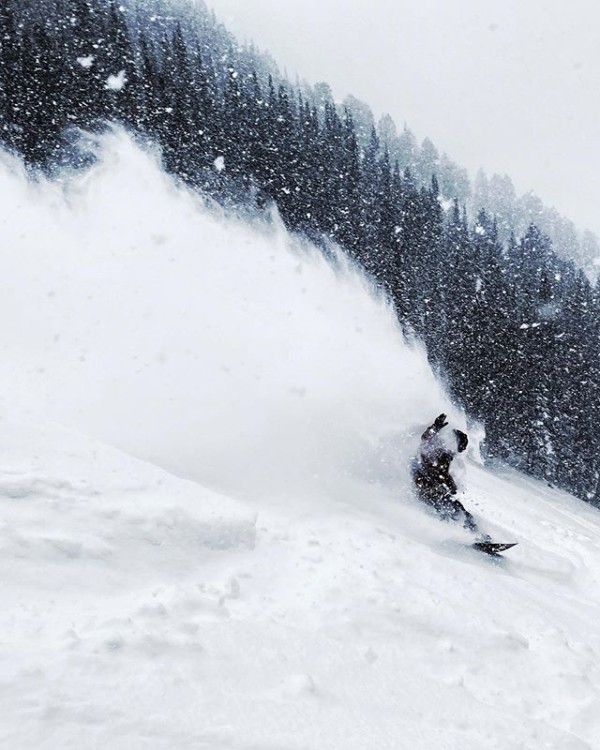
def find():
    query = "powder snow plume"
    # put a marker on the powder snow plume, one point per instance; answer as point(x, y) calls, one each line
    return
point(228, 352)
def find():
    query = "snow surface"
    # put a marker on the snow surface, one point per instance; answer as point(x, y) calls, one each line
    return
point(284, 590)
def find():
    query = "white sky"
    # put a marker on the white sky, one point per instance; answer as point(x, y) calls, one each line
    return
point(512, 86)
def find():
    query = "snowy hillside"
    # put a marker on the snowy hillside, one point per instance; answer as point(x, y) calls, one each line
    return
point(289, 592)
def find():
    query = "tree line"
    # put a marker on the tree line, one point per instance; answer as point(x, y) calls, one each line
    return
point(513, 328)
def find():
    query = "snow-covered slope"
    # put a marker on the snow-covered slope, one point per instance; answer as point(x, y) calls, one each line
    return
point(290, 593)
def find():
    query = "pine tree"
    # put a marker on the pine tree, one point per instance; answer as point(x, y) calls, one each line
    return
point(119, 68)
point(370, 213)
point(351, 234)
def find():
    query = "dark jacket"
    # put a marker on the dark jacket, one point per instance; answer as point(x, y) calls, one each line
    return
point(431, 470)
point(431, 473)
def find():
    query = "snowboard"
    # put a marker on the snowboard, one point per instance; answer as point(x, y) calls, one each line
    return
point(493, 548)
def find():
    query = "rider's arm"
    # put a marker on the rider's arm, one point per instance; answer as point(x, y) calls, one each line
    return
point(433, 429)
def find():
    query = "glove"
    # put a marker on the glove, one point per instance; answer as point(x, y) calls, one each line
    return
point(440, 422)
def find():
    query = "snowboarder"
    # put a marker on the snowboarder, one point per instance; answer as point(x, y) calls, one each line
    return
point(431, 472)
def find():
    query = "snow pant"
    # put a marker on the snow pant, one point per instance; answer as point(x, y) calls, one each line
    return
point(438, 497)
point(451, 509)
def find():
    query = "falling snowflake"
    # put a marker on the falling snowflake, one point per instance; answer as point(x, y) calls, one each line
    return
point(86, 62)
point(116, 83)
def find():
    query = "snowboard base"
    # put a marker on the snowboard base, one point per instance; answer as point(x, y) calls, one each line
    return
point(493, 548)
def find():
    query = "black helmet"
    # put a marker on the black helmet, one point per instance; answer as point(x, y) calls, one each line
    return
point(463, 440)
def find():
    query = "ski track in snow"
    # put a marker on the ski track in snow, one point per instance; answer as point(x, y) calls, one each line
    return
point(240, 610)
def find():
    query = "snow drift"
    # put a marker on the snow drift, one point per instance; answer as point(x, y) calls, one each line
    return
point(285, 592)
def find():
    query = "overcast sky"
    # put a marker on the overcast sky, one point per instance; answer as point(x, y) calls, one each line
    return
point(510, 86)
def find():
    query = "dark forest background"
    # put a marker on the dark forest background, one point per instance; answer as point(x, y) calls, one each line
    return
point(510, 323)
